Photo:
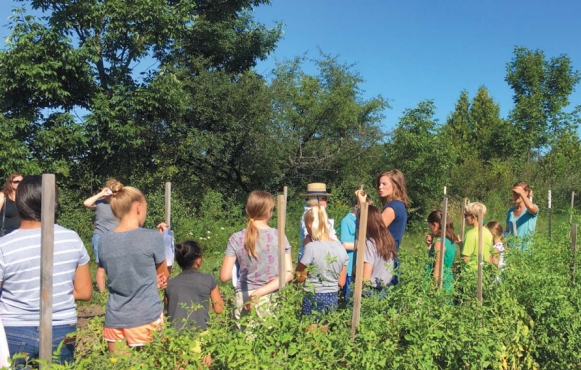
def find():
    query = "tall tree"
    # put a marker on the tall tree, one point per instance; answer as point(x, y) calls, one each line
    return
point(541, 90)
point(104, 60)
point(419, 149)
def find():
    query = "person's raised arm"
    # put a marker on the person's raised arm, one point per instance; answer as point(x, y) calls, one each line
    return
point(82, 284)
point(388, 215)
point(531, 207)
point(217, 301)
point(227, 266)
point(90, 202)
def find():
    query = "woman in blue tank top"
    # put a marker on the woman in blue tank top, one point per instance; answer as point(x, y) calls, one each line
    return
point(392, 191)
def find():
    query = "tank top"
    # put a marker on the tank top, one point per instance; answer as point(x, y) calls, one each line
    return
point(11, 217)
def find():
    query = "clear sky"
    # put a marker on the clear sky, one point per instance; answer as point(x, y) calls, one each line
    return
point(410, 50)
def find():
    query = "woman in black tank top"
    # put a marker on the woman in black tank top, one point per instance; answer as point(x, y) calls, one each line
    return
point(9, 216)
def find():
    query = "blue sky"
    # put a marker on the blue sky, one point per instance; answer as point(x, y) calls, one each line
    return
point(412, 50)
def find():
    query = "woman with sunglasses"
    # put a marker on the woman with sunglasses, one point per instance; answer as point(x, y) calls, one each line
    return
point(8, 212)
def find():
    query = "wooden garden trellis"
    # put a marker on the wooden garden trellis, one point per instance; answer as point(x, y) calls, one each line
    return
point(359, 260)
point(46, 267)
point(281, 239)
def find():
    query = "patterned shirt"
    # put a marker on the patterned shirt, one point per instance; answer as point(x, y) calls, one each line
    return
point(253, 273)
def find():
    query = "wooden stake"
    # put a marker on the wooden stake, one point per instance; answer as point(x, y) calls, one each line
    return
point(281, 241)
point(463, 228)
point(573, 252)
point(480, 262)
point(550, 212)
point(572, 206)
point(46, 267)
point(285, 193)
point(359, 248)
point(440, 266)
point(168, 203)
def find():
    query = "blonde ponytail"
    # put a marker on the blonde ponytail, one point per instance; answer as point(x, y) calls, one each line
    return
point(123, 197)
point(258, 207)
point(317, 218)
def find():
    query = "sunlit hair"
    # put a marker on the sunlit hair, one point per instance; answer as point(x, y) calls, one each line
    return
point(436, 217)
point(376, 230)
point(525, 187)
point(473, 208)
point(317, 218)
point(258, 207)
point(111, 182)
point(187, 253)
point(399, 189)
point(495, 228)
point(123, 198)
point(7, 190)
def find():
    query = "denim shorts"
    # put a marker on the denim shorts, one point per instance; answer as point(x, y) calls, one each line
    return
point(25, 339)
point(95, 244)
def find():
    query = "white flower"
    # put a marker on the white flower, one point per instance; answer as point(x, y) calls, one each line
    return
point(208, 232)
point(190, 233)
point(221, 228)
point(208, 237)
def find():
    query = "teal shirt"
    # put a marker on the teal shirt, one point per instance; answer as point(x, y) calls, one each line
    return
point(449, 256)
point(526, 224)
point(348, 236)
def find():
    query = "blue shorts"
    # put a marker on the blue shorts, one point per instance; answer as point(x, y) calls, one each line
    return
point(95, 244)
point(26, 339)
point(320, 302)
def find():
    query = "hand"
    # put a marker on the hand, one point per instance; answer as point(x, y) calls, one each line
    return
point(161, 281)
point(105, 192)
point(361, 196)
point(520, 191)
point(252, 301)
point(162, 226)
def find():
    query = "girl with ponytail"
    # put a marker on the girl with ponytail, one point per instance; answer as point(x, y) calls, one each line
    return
point(323, 264)
point(255, 250)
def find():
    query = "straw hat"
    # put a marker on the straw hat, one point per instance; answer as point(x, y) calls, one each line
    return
point(316, 189)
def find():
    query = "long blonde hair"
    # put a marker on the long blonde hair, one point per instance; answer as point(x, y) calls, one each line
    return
point(317, 218)
point(123, 198)
point(258, 206)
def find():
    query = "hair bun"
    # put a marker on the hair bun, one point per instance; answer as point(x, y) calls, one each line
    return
point(116, 187)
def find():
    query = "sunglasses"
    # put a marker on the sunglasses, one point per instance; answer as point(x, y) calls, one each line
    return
point(16, 181)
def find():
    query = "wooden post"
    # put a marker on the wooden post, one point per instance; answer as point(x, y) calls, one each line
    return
point(480, 262)
point(440, 266)
point(573, 252)
point(281, 241)
point(168, 203)
point(285, 193)
point(550, 212)
point(359, 248)
point(463, 228)
point(572, 206)
point(46, 266)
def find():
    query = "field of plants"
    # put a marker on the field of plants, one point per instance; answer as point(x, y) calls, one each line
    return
point(530, 317)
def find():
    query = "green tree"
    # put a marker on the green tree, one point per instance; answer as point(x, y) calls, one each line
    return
point(541, 91)
point(124, 67)
point(321, 128)
point(418, 148)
